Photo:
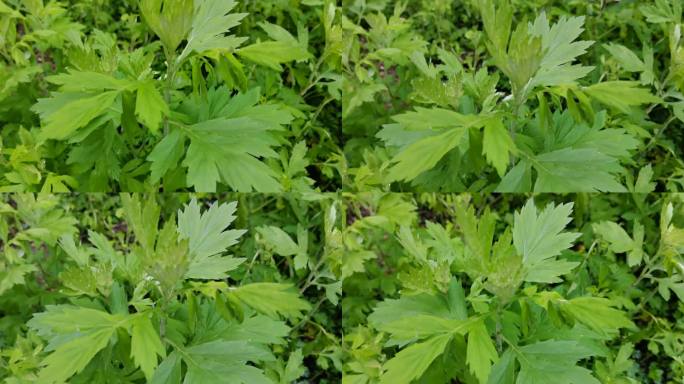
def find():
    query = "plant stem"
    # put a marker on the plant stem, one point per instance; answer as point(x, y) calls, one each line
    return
point(499, 327)
point(168, 85)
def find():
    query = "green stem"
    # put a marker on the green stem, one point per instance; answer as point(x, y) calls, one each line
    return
point(168, 85)
point(658, 134)
point(499, 327)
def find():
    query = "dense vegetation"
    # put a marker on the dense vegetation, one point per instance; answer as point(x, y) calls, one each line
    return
point(354, 191)
point(513, 96)
point(499, 289)
point(169, 95)
point(117, 289)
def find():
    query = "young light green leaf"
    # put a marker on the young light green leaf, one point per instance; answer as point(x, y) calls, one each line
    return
point(274, 53)
point(497, 145)
point(391, 310)
point(627, 59)
point(621, 95)
point(145, 345)
point(85, 81)
point(73, 356)
point(560, 50)
point(166, 155)
point(150, 107)
point(208, 238)
point(294, 368)
point(278, 240)
point(272, 299)
point(169, 19)
point(14, 275)
point(211, 20)
point(419, 327)
point(410, 363)
point(76, 111)
point(78, 333)
point(540, 236)
point(423, 154)
point(436, 119)
point(143, 218)
point(619, 240)
point(480, 352)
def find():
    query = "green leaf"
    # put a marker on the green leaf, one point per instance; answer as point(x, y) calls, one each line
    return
point(548, 271)
point(231, 351)
point(419, 327)
point(143, 219)
point(14, 275)
point(64, 319)
point(597, 313)
point(274, 53)
point(628, 60)
point(222, 361)
point(272, 299)
point(408, 306)
point(560, 49)
point(169, 371)
point(169, 19)
point(662, 11)
point(497, 145)
point(577, 170)
point(166, 154)
point(258, 329)
point(208, 238)
point(214, 371)
point(497, 23)
point(480, 352)
point(72, 356)
point(410, 363)
point(572, 156)
point(518, 179)
point(211, 20)
point(242, 172)
point(436, 119)
point(540, 236)
point(277, 32)
point(554, 361)
point(145, 345)
point(76, 111)
point(503, 372)
point(228, 148)
point(644, 183)
point(456, 300)
point(621, 94)
point(84, 81)
point(278, 240)
point(423, 154)
point(619, 240)
point(354, 261)
point(149, 106)
point(76, 335)
point(294, 368)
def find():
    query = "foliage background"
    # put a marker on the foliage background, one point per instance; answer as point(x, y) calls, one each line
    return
point(383, 266)
point(39, 273)
point(401, 56)
point(99, 44)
